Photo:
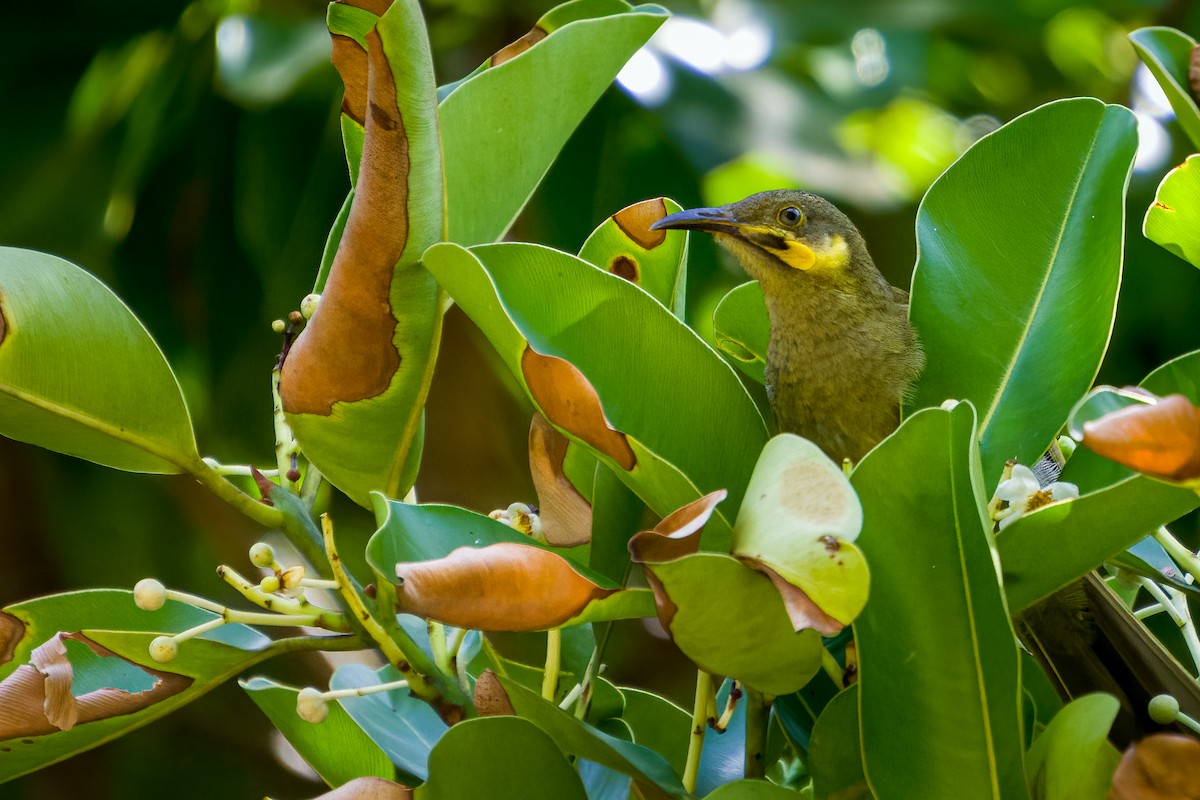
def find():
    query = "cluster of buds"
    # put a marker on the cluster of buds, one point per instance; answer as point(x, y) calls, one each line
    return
point(522, 518)
point(281, 592)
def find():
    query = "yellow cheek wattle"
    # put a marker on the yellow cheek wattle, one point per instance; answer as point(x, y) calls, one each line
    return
point(835, 255)
point(796, 255)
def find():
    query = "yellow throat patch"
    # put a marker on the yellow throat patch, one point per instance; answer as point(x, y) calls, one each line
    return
point(799, 255)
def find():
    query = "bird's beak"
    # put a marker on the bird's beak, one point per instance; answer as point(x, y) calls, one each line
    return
point(711, 220)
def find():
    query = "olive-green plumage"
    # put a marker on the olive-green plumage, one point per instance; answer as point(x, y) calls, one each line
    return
point(842, 353)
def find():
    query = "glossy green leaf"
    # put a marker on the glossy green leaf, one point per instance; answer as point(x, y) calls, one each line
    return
point(614, 370)
point(404, 727)
point(835, 754)
point(500, 758)
point(110, 621)
point(1167, 52)
point(752, 790)
point(625, 246)
point(1148, 559)
point(658, 724)
point(1014, 301)
point(1173, 219)
point(937, 654)
point(337, 748)
point(355, 380)
point(742, 329)
point(502, 128)
point(1073, 759)
point(80, 375)
point(1040, 699)
point(649, 770)
point(742, 630)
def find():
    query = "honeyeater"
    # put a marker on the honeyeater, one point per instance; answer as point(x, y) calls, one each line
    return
point(841, 353)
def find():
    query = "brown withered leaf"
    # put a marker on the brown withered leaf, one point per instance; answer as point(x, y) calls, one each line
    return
point(1164, 766)
point(635, 221)
point(12, 631)
point(350, 60)
point(566, 516)
point(677, 534)
point(1194, 73)
point(346, 352)
point(501, 587)
point(511, 51)
point(801, 610)
point(1161, 440)
point(490, 698)
point(569, 401)
point(36, 698)
point(368, 789)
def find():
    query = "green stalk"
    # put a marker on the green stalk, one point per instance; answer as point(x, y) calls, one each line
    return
point(704, 698)
point(553, 663)
point(757, 715)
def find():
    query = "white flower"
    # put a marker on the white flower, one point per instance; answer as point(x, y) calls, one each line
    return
point(1024, 494)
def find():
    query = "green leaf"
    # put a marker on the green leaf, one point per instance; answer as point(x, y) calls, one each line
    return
point(80, 375)
point(500, 758)
point(940, 672)
point(751, 790)
point(1019, 260)
point(1149, 559)
point(835, 754)
point(106, 641)
point(658, 724)
point(1040, 700)
point(355, 381)
point(337, 748)
point(502, 128)
point(625, 246)
point(743, 630)
point(1173, 219)
point(1073, 759)
point(613, 370)
point(404, 727)
point(741, 329)
point(1167, 52)
point(648, 769)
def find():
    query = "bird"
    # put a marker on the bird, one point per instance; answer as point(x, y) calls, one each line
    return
point(841, 354)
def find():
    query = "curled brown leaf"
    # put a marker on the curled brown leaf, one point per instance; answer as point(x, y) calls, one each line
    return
point(368, 789)
point(566, 515)
point(511, 51)
point(1164, 766)
point(635, 221)
point(1161, 440)
point(501, 587)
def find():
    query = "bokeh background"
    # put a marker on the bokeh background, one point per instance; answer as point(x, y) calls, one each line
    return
point(188, 155)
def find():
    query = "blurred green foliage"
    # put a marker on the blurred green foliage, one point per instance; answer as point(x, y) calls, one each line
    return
point(188, 155)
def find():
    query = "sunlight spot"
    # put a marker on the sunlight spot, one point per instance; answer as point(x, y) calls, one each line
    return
point(645, 77)
point(1154, 144)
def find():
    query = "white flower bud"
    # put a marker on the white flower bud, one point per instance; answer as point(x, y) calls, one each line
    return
point(262, 555)
point(311, 705)
point(149, 594)
point(163, 649)
point(290, 578)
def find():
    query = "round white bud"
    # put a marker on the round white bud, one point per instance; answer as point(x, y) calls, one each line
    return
point(149, 594)
point(309, 305)
point(311, 705)
point(262, 555)
point(279, 326)
point(270, 584)
point(163, 649)
point(1164, 709)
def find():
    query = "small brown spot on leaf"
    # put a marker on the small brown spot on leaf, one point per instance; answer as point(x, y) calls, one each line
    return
point(831, 544)
point(346, 352)
point(635, 222)
point(1163, 206)
point(569, 401)
point(511, 51)
point(624, 267)
point(566, 516)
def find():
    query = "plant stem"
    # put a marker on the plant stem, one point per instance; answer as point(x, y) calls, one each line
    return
point(330, 620)
point(757, 716)
point(285, 443)
point(437, 644)
point(1184, 557)
point(263, 514)
point(704, 690)
point(553, 663)
point(585, 685)
point(833, 669)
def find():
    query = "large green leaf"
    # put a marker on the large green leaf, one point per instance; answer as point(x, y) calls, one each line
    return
point(741, 328)
point(503, 127)
point(1167, 52)
point(624, 245)
point(940, 679)
point(1019, 260)
point(354, 383)
point(336, 748)
point(1073, 759)
point(649, 770)
point(79, 374)
point(1173, 219)
point(501, 758)
point(752, 790)
point(613, 370)
point(836, 751)
point(1046, 550)
point(112, 680)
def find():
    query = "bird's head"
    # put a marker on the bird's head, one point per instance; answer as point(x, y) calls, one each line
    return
point(777, 234)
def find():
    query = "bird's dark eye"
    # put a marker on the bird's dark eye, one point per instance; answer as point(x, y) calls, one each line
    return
point(791, 216)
